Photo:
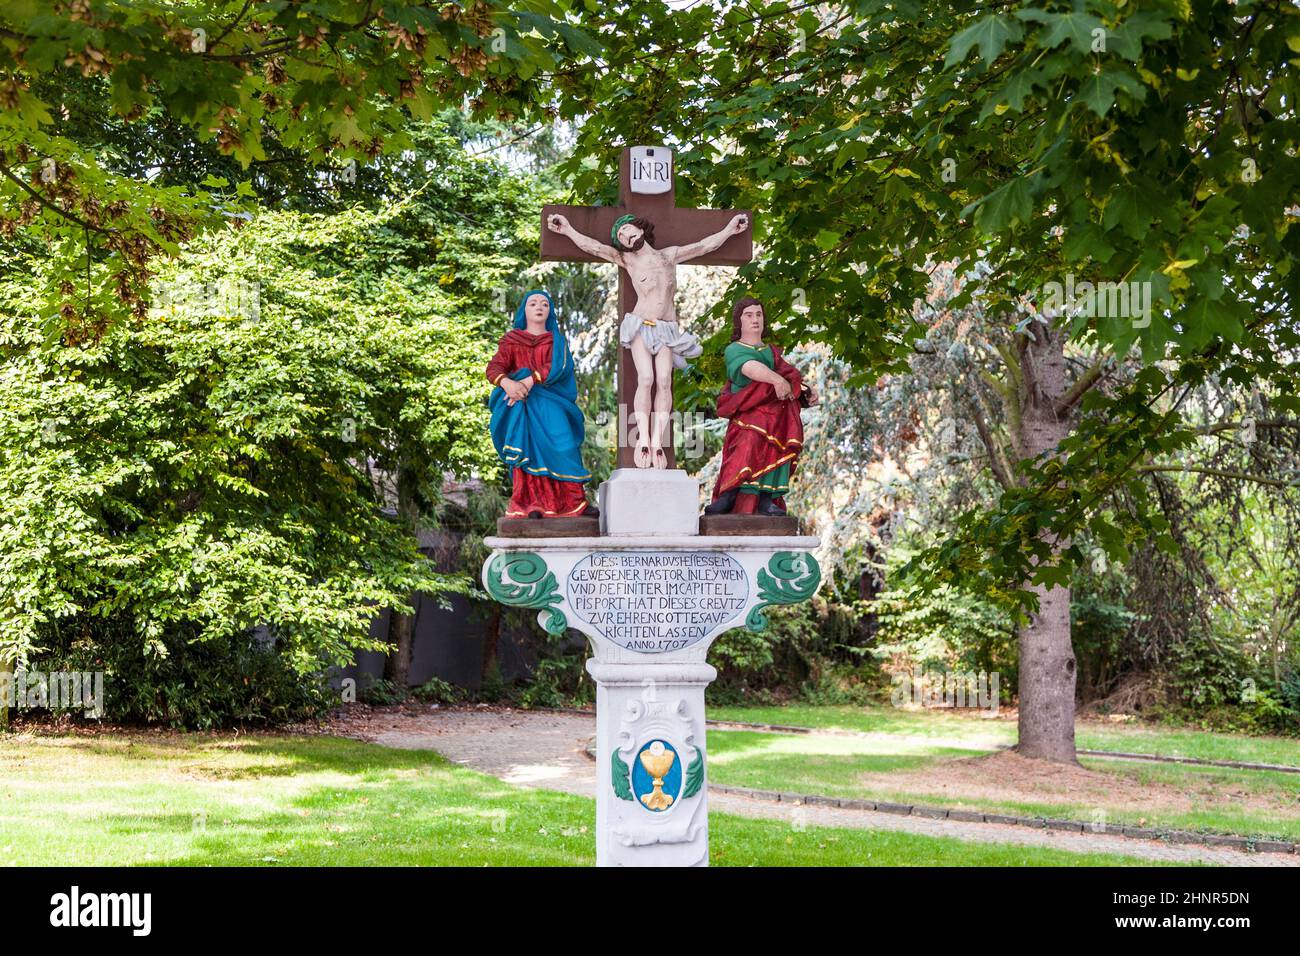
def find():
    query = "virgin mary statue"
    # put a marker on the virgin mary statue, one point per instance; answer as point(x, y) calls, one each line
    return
point(536, 424)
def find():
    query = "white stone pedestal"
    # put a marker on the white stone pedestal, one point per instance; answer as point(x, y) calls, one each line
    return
point(650, 606)
point(647, 501)
point(640, 705)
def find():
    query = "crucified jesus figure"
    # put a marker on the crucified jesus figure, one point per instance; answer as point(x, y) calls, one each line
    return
point(651, 331)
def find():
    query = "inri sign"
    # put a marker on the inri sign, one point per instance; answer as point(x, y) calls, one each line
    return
point(652, 170)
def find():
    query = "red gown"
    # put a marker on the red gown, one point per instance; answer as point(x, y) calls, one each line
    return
point(764, 433)
point(518, 349)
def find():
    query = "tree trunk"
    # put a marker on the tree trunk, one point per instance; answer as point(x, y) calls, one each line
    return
point(1047, 677)
point(1047, 663)
point(6, 682)
point(401, 635)
point(491, 638)
point(1275, 627)
point(401, 627)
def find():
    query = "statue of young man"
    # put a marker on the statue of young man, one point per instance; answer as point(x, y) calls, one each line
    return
point(651, 330)
point(762, 399)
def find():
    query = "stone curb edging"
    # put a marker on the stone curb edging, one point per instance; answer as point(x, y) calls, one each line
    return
point(779, 728)
point(1245, 844)
point(1197, 761)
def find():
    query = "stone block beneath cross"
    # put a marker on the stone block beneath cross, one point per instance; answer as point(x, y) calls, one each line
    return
point(649, 501)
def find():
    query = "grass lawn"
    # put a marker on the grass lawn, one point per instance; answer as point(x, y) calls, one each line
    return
point(899, 756)
point(200, 800)
point(982, 733)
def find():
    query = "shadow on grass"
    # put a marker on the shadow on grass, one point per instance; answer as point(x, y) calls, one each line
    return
point(265, 756)
point(333, 802)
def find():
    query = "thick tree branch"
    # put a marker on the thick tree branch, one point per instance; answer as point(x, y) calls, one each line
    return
point(1006, 389)
point(1081, 387)
point(997, 461)
point(1012, 362)
point(1012, 391)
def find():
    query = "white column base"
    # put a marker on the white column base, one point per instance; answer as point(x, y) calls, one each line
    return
point(657, 709)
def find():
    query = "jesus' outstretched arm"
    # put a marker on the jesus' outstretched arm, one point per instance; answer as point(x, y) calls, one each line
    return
point(703, 247)
point(593, 247)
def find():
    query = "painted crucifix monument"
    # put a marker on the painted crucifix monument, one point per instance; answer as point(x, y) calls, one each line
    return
point(647, 236)
point(650, 592)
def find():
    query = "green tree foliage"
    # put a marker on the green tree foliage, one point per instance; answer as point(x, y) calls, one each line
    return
point(814, 651)
point(317, 84)
point(229, 460)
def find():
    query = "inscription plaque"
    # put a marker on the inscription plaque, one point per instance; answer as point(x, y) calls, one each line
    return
point(657, 601)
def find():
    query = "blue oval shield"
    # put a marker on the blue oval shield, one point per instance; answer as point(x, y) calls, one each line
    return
point(657, 775)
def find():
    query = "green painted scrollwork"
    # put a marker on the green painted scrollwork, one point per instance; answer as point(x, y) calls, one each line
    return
point(620, 776)
point(694, 775)
point(790, 577)
point(530, 584)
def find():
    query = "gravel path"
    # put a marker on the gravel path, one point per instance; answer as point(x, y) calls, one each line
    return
point(548, 750)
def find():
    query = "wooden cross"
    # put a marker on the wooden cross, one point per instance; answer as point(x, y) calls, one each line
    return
point(673, 227)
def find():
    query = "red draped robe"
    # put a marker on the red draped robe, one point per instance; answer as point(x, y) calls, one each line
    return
point(764, 433)
point(518, 349)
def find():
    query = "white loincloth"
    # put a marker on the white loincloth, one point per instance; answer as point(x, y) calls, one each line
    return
point(659, 335)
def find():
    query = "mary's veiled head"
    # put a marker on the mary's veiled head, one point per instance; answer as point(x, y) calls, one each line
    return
point(536, 309)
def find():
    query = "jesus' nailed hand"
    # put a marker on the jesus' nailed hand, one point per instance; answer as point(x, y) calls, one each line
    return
point(650, 331)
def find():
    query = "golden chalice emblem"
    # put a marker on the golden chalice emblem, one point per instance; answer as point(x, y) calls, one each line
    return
point(657, 760)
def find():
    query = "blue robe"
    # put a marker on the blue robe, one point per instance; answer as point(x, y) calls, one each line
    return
point(542, 434)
